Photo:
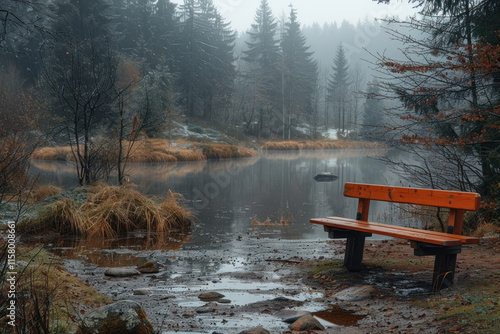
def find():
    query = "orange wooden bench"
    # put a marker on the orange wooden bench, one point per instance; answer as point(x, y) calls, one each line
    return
point(444, 246)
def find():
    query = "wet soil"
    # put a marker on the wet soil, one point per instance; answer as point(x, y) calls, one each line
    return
point(261, 278)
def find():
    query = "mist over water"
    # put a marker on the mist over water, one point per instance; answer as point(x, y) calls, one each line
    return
point(272, 196)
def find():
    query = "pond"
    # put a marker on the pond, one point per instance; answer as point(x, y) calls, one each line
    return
point(252, 218)
point(273, 195)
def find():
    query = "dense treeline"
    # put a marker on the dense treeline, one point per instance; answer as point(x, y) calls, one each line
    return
point(168, 59)
point(103, 71)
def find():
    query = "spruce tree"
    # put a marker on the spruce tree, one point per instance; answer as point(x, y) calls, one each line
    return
point(373, 117)
point(263, 55)
point(338, 88)
point(299, 74)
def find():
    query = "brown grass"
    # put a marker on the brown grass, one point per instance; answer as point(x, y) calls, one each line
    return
point(159, 150)
point(319, 145)
point(40, 193)
point(269, 222)
point(48, 297)
point(53, 153)
point(107, 212)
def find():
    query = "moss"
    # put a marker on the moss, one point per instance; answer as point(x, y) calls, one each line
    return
point(326, 265)
point(476, 311)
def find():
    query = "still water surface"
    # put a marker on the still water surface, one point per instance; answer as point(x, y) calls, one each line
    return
point(272, 196)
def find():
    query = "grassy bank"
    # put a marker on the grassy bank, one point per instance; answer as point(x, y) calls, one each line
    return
point(292, 145)
point(48, 298)
point(160, 150)
point(107, 211)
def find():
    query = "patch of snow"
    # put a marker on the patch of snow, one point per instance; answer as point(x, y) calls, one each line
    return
point(195, 131)
point(330, 134)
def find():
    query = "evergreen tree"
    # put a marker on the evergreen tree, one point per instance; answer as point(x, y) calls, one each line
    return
point(204, 65)
point(299, 74)
point(264, 56)
point(338, 87)
point(373, 117)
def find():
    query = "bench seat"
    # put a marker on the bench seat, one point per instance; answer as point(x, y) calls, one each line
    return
point(425, 236)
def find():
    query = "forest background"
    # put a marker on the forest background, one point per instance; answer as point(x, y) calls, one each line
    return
point(91, 73)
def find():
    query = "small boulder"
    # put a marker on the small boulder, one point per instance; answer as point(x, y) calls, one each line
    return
point(256, 330)
point(121, 272)
point(224, 301)
point(355, 293)
point(290, 316)
point(123, 317)
point(210, 296)
point(307, 322)
point(149, 267)
point(142, 292)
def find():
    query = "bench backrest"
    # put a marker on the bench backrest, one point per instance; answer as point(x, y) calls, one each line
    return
point(456, 201)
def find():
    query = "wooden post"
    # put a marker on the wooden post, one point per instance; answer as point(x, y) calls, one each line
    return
point(354, 253)
point(444, 271)
point(455, 221)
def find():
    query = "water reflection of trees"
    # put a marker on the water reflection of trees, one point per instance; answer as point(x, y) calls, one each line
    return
point(117, 252)
point(321, 154)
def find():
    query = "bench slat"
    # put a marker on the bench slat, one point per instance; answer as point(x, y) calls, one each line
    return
point(388, 230)
point(465, 239)
point(439, 198)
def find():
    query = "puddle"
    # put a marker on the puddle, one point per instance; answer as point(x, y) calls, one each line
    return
point(239, 292)
point(338, 316)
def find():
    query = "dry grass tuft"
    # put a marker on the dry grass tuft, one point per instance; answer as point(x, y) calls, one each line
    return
point(107, 212)
point(281, 146)
point(223, 151)
point(53, 153)
point(269, 222)
point(42, 192)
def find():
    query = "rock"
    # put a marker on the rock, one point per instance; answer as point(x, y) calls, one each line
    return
point(307, 322)
point(203, 310)
point(142, 292)
point(325, 177)
point(149, 267)
point(210, 296)
point(189, 315)
point(283, 299)
point(492, 235)
point(123, 317)
point(121, 272)
point(290, 316)
point(256, 330)
point(224, 301)
point(355, 293)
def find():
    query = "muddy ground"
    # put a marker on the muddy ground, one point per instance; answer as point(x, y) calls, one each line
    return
point(261, 278)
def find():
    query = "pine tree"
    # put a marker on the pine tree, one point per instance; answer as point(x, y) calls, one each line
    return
point(338, 87)
point(263, 55)
point(205, 56)
point(373, 117)
point(299, 75)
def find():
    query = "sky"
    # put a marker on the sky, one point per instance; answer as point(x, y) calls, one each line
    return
point(241, 13)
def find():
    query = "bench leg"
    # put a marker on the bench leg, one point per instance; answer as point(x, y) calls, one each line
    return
point(444, 271)
point(354, 253)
